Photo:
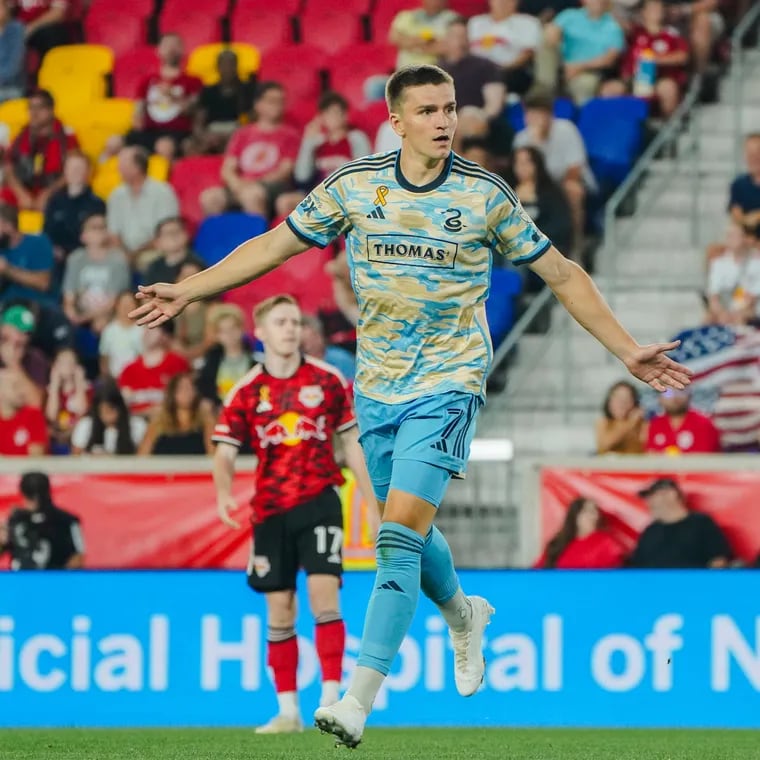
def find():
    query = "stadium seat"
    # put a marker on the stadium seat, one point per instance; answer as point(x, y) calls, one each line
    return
point(30, 222)
point(72, 90)
point(350, 67)
point(107, 176)
point(196, 27)
point(383, 15)
point(202, 61)
point(297, 68)
point(359, 7)
point(131, 69)
point(330, 30)
point(102, 120)
point(189, 177)
point(369, 118)
point(283, 7)
point(119, 32)
point(266, 30)
point(564, 108)
point(612, 129)
point(73, 60)
point(469, 7)
point(15, 114)
point(134, 8)
point(218, 235)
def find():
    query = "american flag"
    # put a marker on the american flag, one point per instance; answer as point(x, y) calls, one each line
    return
point(726, 384)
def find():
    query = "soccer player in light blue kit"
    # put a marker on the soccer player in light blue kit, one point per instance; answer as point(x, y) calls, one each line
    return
point(421, 225)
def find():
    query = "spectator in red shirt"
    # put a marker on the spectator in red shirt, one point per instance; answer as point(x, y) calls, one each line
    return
point(582, 542)
point(670, 53)
point(68, 399)
point(34, 163)
point(681, 430)
point(328, 142)
point(164, 115)
point(144, 380)
point(260, 158)
point(23, 430)
point(44, 23)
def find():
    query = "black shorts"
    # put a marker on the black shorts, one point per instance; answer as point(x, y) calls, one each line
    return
point(309, 537)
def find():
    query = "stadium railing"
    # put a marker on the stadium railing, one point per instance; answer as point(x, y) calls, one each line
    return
point(739, 72)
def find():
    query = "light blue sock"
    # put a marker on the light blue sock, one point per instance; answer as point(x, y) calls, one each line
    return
point(438, 579)
point(394, 597)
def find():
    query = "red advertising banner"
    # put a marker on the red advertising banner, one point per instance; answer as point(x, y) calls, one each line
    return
point(169, 520)
point(732, 499)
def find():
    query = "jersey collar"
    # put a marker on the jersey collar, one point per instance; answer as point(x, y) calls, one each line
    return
point(437, 182)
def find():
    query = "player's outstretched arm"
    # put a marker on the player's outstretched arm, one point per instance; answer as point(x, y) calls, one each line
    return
point(224, 473)
point(580, 296)
point(255, 257)
point(355, 461)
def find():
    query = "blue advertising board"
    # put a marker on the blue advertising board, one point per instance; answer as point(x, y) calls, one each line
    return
point(564, 649)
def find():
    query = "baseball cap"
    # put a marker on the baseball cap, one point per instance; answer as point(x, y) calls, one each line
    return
point(661, 484)
point(19, 317)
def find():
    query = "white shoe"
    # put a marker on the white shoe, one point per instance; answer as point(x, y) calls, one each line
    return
point(282, 724)
point(469, 663)
point(344, 720)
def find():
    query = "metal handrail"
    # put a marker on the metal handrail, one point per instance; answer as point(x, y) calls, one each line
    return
point(737, 78)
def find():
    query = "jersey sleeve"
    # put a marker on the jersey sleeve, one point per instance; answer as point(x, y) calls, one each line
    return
point(343, 407)
point(320, 217)
point(511, 232)
point(232, 426)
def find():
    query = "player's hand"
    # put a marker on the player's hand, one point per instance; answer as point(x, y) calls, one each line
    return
point(651, 365)
point(158, 304)
point(223, 507)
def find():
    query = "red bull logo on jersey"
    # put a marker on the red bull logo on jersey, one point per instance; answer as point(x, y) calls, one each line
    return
point(290, 428)
point(412, 250)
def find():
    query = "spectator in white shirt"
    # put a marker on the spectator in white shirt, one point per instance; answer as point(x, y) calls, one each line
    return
point(734, 280)
point(121, 340)
point(509, 39)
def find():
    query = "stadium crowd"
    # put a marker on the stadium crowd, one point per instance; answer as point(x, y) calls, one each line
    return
point(125, 163)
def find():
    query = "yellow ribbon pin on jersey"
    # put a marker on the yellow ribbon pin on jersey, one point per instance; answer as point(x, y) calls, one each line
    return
point(381, 195)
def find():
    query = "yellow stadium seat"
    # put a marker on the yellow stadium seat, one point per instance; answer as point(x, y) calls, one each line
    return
point(101, 120)
point(77, 59)
point(202, 61)
point(14, 113)
point(107, 177)
point(158, 168)
point(72, 91)
point(30, 222)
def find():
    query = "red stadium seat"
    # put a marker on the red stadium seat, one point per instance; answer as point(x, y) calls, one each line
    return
point(196, 27)
point(300, 111)
point(283, 7)
point(350, 67)
point(469, 7)
point(360, 7)
point(329, 30)
point(120, 33)
point(383, 15)
point(211, 8)
point(131, 69)
point(297, 68)
point(265, 30)
point(189, 177)
point(134, 8)
point(369, 118)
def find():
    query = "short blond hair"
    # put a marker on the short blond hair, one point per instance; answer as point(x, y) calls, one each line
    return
point(261, 309)
point(221, 311)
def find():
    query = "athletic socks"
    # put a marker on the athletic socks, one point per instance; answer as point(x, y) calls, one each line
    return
point(440, 584)
point(282, 658)
point(330, 640)
point(391, 607)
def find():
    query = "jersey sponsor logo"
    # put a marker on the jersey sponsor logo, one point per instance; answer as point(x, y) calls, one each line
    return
point(290, 428)
point(453, 221)
point(311, 396)
point(412, 250)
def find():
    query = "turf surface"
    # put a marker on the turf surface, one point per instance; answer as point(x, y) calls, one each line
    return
point(406, 744)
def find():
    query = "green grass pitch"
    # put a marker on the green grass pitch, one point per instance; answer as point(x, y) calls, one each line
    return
point(388, 744)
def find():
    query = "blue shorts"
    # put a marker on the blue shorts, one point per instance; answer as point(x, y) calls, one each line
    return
point(417, 446)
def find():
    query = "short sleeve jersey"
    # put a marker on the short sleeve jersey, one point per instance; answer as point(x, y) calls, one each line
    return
point(289, 424)
point(420, 261)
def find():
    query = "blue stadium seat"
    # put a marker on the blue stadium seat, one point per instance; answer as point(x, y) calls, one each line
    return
point(613, 131)
point(564, 108)
point(218, 235)
point(506, 285)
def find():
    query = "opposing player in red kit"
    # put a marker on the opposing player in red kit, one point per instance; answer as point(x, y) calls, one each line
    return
point(288, 409)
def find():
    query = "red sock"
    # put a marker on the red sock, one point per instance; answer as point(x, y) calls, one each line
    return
point(282, 657)
point(330, 639)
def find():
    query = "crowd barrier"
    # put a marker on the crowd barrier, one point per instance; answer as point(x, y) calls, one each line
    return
point(187, 648)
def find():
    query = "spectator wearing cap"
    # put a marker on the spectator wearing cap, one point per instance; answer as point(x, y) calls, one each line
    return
point(26, 262)
point(586, 44)
point(137, 205)
point(744, 200)
point(417, 32)
point(221, 107)
point(23, 428)
point(12, 54)
point(39, 535)
point(678, 537)
point(70, 206)
point(143, 381)
point(680, 429)
point(172, 243)
point(27, 365)
point(328, 142)
point(34, 162)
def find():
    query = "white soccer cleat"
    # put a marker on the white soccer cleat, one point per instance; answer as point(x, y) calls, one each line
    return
point(282, 724)
point(469, 663)
point(344, 720)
